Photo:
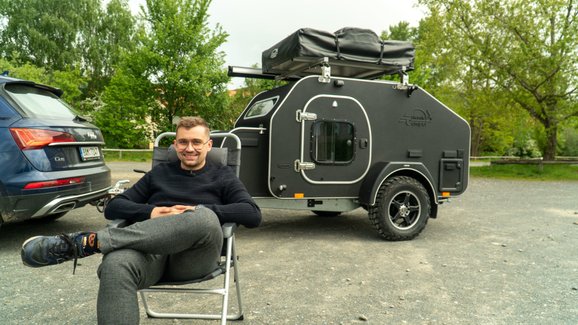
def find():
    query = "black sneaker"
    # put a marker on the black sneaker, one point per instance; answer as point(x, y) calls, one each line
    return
point(42, 251)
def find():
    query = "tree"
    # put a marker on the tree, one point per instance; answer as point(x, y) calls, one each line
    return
point(435, 71)
point(46, 32)
point(401, 32)
point(70, 36)
point(105, 39)
point(175, 70)
point(527, 49)
point(66, 80)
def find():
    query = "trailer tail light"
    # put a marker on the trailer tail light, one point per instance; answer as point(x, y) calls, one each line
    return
point(28, 139)
point(54, 183)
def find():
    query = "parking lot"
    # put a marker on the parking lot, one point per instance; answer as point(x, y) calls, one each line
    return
point(506, 252)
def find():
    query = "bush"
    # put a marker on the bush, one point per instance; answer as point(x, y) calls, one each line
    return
point(569, 142)
point(527, 148)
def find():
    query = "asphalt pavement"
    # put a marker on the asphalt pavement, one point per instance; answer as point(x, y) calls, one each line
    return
point(505, 252)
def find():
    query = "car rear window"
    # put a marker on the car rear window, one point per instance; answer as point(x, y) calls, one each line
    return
point(38, 102)
point(5, 110)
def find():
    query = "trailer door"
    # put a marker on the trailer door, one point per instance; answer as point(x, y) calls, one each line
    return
point(335, 140)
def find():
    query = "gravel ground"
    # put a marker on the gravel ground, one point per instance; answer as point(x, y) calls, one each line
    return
point(503, 253)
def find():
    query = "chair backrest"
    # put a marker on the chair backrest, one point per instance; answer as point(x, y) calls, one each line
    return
point(221, 156)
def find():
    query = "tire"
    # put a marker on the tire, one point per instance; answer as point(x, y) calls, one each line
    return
point(326, 214)
point(401, 210)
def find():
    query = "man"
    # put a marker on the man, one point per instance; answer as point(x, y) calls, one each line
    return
point(177, 210)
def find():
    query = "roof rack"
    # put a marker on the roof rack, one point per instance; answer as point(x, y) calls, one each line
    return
point(300, 67)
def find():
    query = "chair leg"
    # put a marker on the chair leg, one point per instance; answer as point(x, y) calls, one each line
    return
point(240, 314)
point(225, 306)
point(231, 251)
point(231, 264)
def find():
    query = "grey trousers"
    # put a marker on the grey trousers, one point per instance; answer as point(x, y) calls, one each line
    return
point(175, 248)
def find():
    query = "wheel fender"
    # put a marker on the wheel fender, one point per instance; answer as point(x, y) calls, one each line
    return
point(380, 171)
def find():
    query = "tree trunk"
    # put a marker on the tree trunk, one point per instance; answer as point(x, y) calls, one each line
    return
point(551, 142)
point(476, 138)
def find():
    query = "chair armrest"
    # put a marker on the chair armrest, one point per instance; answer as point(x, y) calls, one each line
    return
point(229, 229)
point(118, 223)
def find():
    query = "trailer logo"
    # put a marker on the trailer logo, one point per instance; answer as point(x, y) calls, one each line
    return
point(417, 118)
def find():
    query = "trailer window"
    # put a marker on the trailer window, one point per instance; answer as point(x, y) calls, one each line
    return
point(332, 142)
point(261, 107)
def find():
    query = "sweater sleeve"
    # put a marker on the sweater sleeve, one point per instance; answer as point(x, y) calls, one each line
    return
point(131, 204)
point(238, 206)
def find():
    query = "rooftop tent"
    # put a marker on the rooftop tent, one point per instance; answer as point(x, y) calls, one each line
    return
point(351, 52)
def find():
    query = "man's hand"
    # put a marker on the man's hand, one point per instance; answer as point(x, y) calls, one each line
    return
point(169, 211)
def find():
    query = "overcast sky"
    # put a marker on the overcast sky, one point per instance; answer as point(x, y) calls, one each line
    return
point(255, 25)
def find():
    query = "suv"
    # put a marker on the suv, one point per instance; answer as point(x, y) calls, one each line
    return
point(50, 158)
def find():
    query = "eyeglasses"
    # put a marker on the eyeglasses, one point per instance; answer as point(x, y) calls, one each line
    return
point(197, 144)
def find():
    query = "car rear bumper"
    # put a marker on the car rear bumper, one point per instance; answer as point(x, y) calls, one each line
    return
point(20, 208)
point(67, 203)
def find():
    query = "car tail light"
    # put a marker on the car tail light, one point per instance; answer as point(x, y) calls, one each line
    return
point(53, 183)
point(37, 138)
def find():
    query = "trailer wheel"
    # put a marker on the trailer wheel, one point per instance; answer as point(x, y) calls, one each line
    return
point(401, 210)
point(326, 214)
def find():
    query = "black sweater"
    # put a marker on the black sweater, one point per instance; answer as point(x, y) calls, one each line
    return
point(215, 187)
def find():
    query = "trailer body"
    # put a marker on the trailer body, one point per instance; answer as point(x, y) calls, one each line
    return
point(331, 143)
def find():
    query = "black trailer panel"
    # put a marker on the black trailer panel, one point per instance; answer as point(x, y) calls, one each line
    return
point(384, 125)
point(333, 140)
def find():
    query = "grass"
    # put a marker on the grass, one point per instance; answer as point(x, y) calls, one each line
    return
point(554, 172)
point(128, 155)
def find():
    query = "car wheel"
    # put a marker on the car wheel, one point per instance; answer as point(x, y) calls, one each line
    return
point(402, 208)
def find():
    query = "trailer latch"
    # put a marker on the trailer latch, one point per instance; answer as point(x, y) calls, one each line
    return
point(303, 165)
point(325, 76)
point(302, 116)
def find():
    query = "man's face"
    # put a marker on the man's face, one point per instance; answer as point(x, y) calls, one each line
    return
point(192, 146)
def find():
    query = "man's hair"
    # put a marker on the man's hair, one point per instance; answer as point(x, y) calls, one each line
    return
point(189, 122)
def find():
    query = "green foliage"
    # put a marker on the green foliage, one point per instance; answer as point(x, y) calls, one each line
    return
point(526, 49)
point(120, 155)
point(76, 37)
point(556, 172)
point(68, 81)
point(124, 115)
point(174, 70)
point(107, 38)
point(569, 140)
point(400, 32)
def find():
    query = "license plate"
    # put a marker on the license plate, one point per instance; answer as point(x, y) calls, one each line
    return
point(89, 153)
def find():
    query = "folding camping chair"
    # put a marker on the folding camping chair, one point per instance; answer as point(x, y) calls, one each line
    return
point(229, 263)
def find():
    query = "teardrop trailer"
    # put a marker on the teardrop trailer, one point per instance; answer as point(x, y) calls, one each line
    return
point(334, 138)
